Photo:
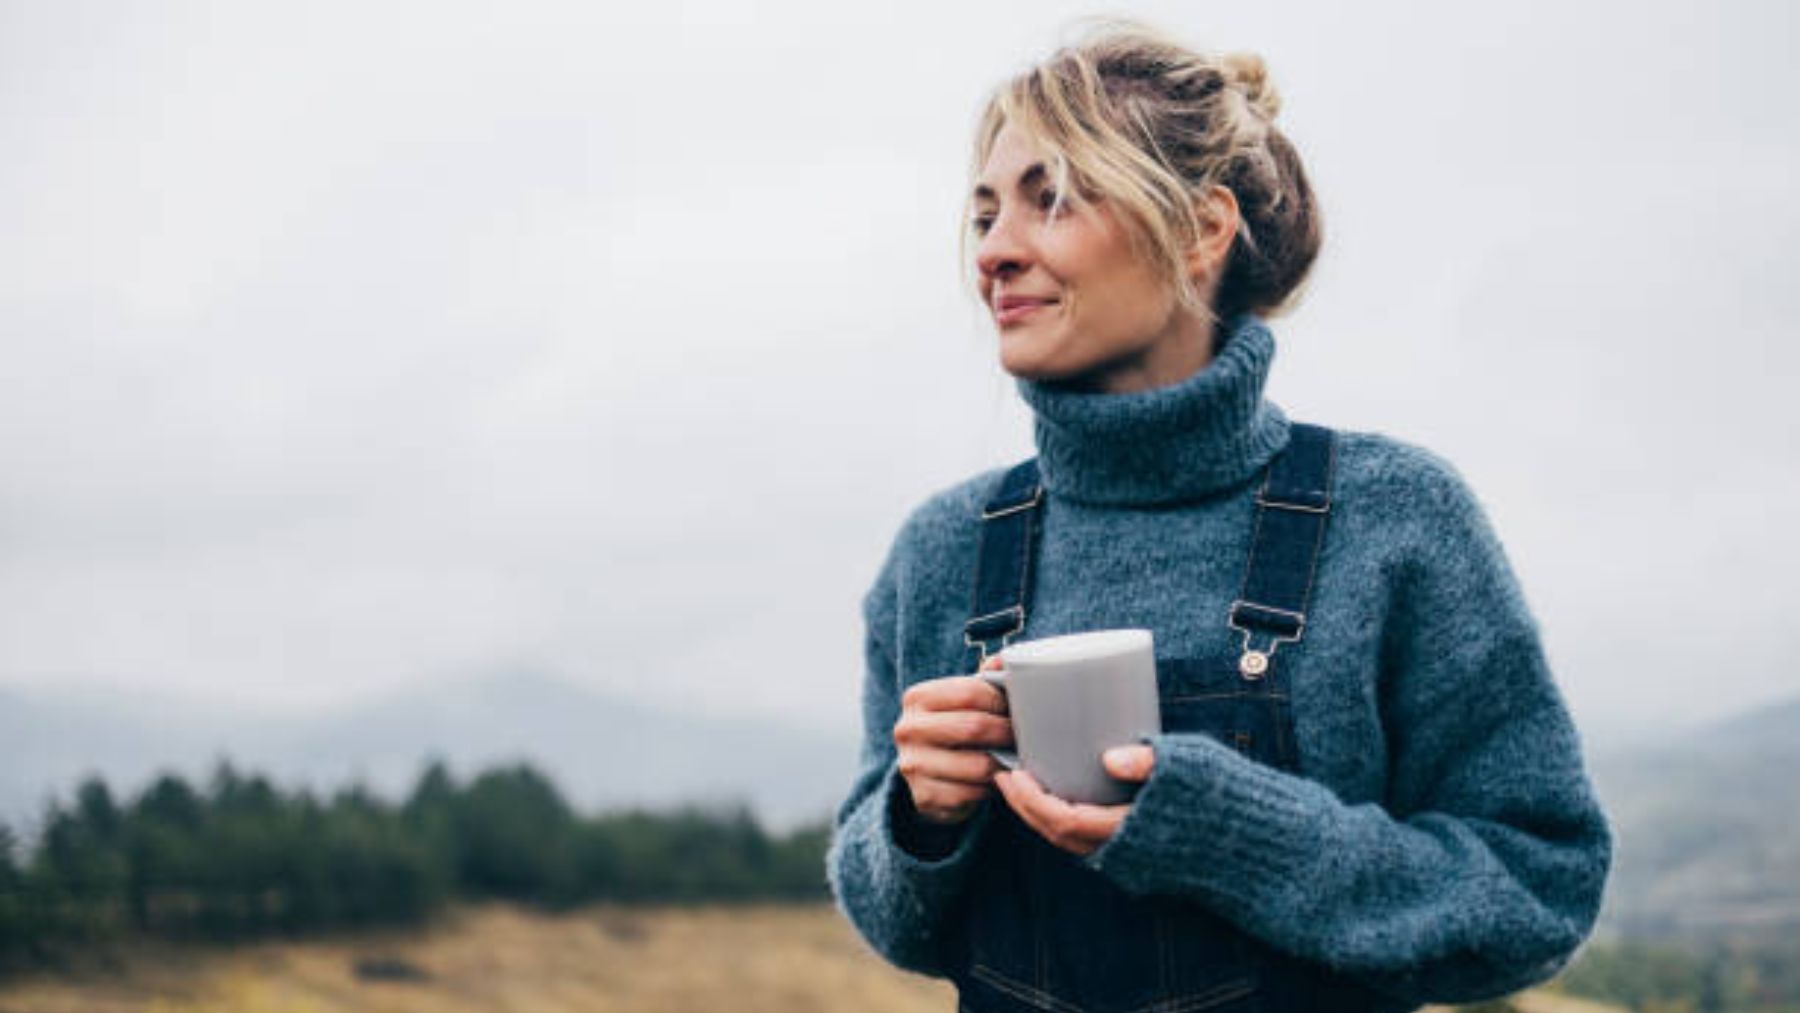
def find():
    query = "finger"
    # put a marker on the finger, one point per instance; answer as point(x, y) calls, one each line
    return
point(1046, 814)
point(1076, 827)
point(965, 766)
point(1129, 763)
point(954, 729)
point(1046, 808)
point(992, 663)
point(1096, 824)
point(953, 693)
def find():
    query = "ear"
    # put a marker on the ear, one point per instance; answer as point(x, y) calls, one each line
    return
point(1217, 210)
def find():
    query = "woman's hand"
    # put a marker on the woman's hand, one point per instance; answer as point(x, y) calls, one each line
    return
point(1075, 827)
point(946, 727)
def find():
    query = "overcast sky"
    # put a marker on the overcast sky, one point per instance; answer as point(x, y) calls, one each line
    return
point(354, 346)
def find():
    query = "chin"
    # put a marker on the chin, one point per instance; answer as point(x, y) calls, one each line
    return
point(1028, 369)
point(1029, 359)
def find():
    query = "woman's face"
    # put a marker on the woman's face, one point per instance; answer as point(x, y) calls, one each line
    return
point(1071, 300)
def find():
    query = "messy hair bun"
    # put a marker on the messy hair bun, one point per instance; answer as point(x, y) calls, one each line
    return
point(1250, 75)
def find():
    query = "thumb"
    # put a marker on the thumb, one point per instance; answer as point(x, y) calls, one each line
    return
point(1129, 763)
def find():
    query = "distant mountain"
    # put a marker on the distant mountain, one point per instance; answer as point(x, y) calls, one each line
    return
point(1708, 830)
point(604, 751)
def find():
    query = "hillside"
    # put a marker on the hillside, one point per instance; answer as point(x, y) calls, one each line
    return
point(1706, 826)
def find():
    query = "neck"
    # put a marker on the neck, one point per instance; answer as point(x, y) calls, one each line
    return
point(1167, 361)
point(1207, 432)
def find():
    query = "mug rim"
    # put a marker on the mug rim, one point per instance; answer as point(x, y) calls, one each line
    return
point(1070, 647)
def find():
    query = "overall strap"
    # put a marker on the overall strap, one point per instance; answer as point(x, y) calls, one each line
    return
point(1291, 509)
point(1009, 532)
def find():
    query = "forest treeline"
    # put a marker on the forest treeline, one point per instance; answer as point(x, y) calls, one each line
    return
point(243, 858)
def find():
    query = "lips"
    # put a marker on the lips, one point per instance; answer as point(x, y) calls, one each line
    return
point(1012, 308)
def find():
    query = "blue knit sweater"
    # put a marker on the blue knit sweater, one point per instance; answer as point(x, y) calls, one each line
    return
point(1443, 842)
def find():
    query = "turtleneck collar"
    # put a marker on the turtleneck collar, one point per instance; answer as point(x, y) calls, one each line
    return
point(1183, 441)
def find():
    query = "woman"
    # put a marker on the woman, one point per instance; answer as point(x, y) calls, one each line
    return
point(1368, 793)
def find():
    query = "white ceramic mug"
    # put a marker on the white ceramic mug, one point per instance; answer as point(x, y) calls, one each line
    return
point(1073, 697)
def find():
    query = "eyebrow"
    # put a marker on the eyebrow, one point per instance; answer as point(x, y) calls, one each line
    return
point(1034, 174)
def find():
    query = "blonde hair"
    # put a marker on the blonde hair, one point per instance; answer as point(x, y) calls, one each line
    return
point(1138, 118)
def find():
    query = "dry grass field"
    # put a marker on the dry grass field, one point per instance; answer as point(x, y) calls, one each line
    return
point(499, 959)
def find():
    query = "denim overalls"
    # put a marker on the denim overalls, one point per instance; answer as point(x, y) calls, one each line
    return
point(1040, 930)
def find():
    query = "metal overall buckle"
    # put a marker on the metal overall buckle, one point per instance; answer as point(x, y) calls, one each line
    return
point(1252, 663)
point(1015, 613)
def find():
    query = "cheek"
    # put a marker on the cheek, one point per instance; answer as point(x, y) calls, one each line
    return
point(1110, 291)
point(1119, 312)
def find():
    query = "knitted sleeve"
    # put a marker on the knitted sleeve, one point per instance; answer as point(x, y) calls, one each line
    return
point(893, 878)
point(1482, 870)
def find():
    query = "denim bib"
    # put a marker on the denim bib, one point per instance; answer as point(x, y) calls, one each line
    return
point(1038, 929)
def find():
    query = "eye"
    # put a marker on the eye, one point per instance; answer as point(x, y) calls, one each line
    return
point(982, 222)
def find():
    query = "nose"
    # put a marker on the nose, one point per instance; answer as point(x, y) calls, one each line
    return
point(1002, 252)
